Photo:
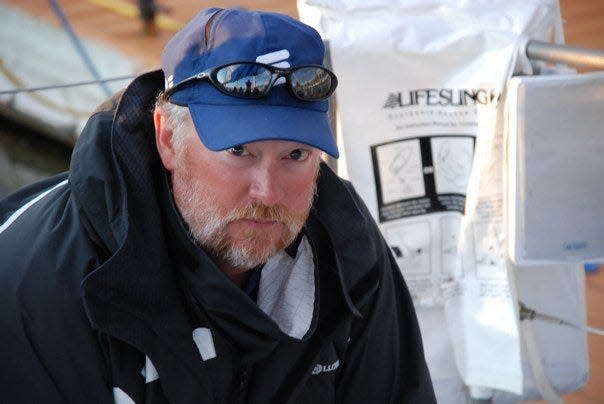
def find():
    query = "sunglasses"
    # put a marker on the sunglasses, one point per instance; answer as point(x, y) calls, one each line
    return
point(254, 80)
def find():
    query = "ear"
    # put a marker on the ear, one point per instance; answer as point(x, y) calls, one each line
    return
point(163, 140)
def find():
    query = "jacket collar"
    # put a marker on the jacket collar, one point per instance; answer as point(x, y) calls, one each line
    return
point(133, 296)
point(356, 239)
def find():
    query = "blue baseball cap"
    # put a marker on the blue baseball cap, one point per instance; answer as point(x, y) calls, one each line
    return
point(217, 37)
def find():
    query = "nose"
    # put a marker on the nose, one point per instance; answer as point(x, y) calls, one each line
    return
point(266, 186)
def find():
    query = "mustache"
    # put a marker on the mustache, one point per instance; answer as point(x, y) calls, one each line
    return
point(259, 211)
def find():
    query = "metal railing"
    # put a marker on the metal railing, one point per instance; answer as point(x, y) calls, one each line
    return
point(566, 54)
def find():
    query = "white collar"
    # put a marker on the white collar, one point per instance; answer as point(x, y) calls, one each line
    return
point(287, 290)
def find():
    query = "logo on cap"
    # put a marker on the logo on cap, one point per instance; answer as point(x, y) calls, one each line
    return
point(277, 59)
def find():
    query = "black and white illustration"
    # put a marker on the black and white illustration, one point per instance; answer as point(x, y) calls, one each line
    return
point(422, 175)
point(452, 160)
point(401, 170)
point(410, 244)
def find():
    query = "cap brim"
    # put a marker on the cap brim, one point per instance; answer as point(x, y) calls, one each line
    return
point(223, 126)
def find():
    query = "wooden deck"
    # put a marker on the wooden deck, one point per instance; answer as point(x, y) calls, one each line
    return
point(115, 22)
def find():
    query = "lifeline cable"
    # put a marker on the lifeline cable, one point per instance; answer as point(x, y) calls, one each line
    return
point(78, 45)
point(51, 103)
point(527, 313)
point(65, 85)
point(543, 384)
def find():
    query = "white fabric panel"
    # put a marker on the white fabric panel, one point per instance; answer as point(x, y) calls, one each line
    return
point(287, 290)
point(205, 343)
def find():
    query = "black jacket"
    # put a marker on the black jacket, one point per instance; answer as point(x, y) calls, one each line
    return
point(101, 290)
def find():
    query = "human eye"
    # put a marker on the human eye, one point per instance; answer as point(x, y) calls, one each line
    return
point(239, 150)
point(299, 154)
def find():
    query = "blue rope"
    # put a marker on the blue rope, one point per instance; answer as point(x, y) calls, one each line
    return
point(56, 86)
point(79, 47)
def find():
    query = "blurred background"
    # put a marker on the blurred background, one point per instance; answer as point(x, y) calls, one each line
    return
point(116, 27)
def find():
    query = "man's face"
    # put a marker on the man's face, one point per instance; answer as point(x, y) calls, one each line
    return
point(245, 204)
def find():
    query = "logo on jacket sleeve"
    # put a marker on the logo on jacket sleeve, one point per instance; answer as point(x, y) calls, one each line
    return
point(205, 343)
point(318, 369)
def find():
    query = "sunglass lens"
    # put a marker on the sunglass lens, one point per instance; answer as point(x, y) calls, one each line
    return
point(246, 80)
point(311, 83)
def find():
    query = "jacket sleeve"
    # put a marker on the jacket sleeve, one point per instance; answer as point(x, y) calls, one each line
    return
point(48, 351)
point(385, 360)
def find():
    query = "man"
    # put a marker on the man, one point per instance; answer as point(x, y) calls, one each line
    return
point(217, 262)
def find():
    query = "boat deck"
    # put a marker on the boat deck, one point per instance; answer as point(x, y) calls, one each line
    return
point(116, 22)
